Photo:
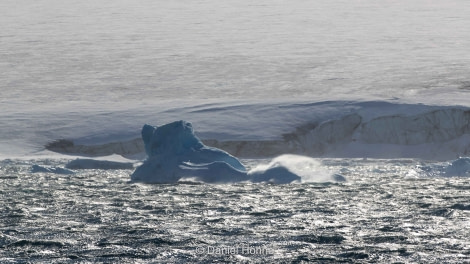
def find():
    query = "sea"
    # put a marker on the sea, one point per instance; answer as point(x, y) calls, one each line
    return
point(373, 92)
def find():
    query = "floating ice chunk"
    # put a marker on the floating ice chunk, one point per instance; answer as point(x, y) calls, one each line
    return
point(457, 168)
point(276, 174)
point(178, 139)
point(174, 152)
point(36, 169)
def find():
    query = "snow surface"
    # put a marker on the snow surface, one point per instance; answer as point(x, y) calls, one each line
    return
point(374, 129)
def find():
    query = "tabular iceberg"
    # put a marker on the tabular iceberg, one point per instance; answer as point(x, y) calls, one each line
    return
point(174, 152)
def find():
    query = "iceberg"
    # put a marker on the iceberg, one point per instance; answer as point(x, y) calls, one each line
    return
point(174, 152)
point(456, 168)
point(459, 167)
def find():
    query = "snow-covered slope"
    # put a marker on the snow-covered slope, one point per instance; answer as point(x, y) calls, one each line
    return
point(327, 129)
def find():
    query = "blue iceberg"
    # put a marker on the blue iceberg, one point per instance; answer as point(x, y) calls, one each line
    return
point(174, 153)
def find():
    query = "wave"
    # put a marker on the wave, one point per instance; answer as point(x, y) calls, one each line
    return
point(82, 164)
point(86, 164)
point(324, 129)
point(48, 169)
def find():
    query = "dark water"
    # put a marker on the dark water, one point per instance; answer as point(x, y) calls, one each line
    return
point(379, 215)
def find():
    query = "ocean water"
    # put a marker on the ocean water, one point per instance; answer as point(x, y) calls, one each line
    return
point(383, 214)
point(376, 92)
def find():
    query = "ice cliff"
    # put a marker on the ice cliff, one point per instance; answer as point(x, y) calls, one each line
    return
point(372, 129)
point(438, 134)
